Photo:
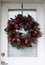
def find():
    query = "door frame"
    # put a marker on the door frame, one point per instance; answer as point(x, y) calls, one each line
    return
point(39, 60)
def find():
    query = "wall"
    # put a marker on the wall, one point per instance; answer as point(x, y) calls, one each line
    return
point(0, 27)
point(44, 30)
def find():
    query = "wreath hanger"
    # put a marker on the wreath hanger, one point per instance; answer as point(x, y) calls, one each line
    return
point(22, 7)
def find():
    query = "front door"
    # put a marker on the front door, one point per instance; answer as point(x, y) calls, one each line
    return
point(27, 56)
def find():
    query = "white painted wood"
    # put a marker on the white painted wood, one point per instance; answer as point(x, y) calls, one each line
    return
point(26, 1)
point(4, 42)
point(26, 52)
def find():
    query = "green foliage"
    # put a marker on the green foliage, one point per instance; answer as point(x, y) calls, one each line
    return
point(36, 24)
point(39, 33)
point(9, 21)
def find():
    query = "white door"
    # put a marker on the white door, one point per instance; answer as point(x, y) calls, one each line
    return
point(7, 53)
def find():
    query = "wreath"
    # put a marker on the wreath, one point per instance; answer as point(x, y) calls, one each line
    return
point(22, 31)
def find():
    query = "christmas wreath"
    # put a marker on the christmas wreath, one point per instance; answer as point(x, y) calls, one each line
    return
point(22, 31)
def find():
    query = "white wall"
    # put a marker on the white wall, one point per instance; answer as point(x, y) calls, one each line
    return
point(0, 32)
point(44, 10)
point(44, 30)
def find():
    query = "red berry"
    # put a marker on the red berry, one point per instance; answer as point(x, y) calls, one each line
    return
point(18, 39)
point(13, 40)
point(26, 41)
point(18, 20)
point(31, 23)
point(22, 42)
point(16, 26)
point(34, 33)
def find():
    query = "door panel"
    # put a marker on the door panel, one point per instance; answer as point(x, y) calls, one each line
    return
point(4, 41)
